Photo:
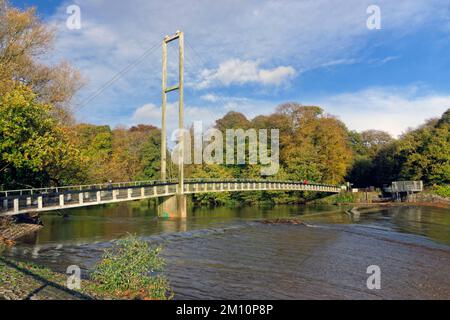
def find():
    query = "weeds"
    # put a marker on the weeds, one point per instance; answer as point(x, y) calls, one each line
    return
point(131, 270)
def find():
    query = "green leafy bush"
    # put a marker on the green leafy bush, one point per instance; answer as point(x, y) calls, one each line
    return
point(129, 270)
point(346, 197)
point(443, 191)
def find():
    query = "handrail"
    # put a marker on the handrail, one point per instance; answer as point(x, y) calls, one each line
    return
point(115, 185)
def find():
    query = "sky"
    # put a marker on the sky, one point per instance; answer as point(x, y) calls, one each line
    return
point(250, 56)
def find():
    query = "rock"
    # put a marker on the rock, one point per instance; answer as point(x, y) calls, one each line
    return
point(292, 221)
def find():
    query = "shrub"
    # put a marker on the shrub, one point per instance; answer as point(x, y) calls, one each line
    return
point(130, 270)
point(345, 197)
point(443, 191)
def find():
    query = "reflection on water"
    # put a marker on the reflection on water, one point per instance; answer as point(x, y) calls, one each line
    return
point(433, 223)
point(224, 253)
point(104, 223)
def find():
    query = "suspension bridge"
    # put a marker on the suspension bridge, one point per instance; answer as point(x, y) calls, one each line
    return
point(171, 194)
point(49, 199)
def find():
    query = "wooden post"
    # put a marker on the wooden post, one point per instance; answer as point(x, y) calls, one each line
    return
point(40, 202)
point(61, 200)
point(181, 110)
point(180, 36)
point(99, 196)
point(16, 205)
point(81, 198)
point(164, 106)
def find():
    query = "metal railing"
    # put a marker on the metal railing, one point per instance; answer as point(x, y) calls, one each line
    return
point(46, 199)
point(118, 185)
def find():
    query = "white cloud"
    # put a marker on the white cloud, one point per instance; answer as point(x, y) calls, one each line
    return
point(210, 97)
point(390, 109)
point(235, 71)
point(276, 76)
point(151, 114)
point(236, 42)
point(296, 34)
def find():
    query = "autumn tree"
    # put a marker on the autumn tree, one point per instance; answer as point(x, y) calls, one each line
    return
point(95, 145)
point(34, 150)
point(24, 40)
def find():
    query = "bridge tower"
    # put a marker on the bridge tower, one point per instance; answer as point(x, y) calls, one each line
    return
point(174, 206)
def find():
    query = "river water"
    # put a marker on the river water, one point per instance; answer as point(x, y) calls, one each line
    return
point(225, 253)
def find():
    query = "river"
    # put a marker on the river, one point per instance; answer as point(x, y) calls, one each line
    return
point(225, 253)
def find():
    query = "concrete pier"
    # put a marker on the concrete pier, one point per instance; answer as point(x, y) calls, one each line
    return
point(172, 207)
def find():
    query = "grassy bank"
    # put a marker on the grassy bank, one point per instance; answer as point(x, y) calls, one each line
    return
point(347, 198)
point(129, 270)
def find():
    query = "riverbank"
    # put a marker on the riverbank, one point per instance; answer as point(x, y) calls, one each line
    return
point(121, 273)
point(372, 199)
point(27, 281)
point(228, 253)
point(12, 229)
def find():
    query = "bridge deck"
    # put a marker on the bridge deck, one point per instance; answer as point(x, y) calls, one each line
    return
point(14, 202)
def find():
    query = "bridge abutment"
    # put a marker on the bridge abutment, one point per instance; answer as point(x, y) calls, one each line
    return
point(172, 207)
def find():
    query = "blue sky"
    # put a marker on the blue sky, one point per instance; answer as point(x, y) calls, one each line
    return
point(250, 56)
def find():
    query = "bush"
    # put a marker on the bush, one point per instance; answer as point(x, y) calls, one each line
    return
point(442, 191)
point(346, 197)
point(129, 270)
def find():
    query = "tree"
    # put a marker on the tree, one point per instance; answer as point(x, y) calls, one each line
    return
point(24, 39)
point(150, 159)
point(374, 140)
point(318, 148)
point(366, 146)
point(425, 152)
point(95, 145)
point(420, 154)
point(34, 151)
point(232, 120)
